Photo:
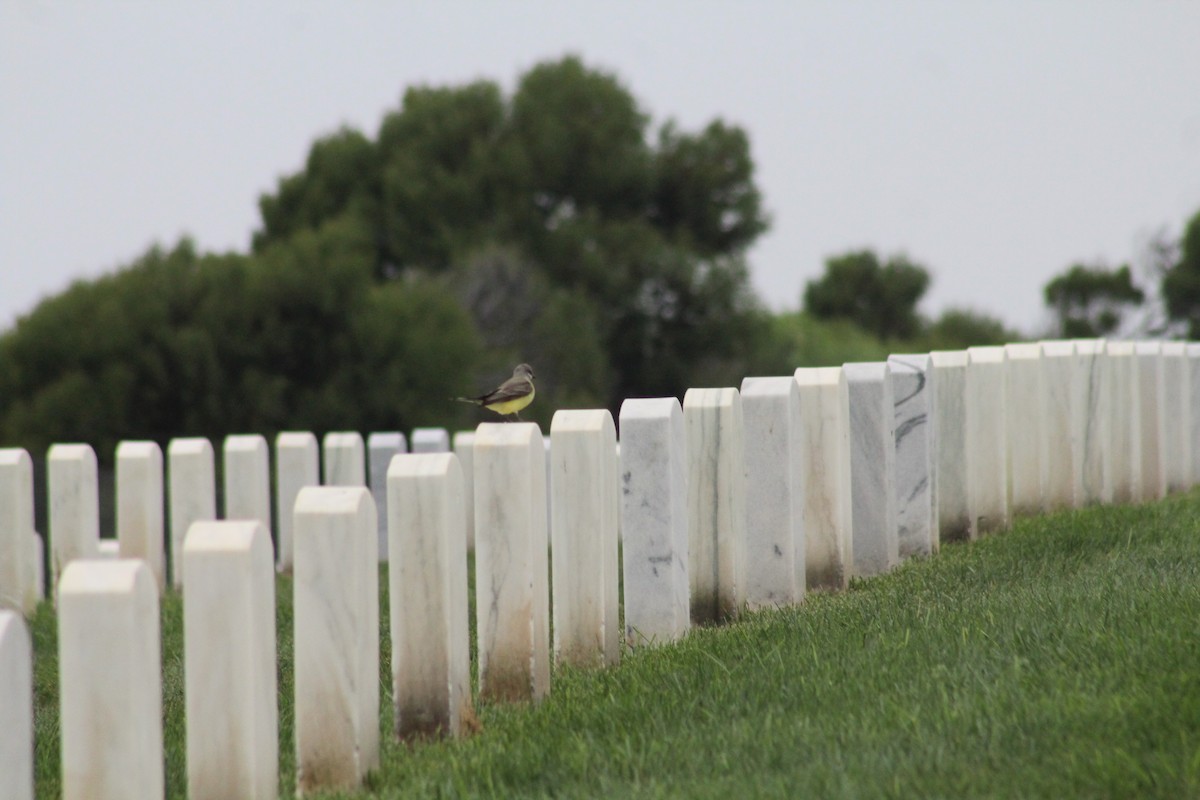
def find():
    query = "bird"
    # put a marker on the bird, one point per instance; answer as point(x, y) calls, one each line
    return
point(509, 397)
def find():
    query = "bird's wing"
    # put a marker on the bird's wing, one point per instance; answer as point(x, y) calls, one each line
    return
point(511, 389)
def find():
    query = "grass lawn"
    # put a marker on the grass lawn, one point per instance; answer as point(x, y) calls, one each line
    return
point(1061, 659)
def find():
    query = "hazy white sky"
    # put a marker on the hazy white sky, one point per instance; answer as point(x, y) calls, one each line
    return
point(995, 143)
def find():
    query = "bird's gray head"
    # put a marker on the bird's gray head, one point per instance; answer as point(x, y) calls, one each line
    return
point(523, 371)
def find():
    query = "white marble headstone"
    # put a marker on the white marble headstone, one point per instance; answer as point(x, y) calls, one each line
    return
point(381, 448)
point(431, 662)
point(110, 681)
point(344, 459)
point(430, 440)
point(872, 467)
point(336, 622)
point(463, 444)
point(916, 476)
point(987, 439)
point(654, 520)
point(74, 499)
point(1193, 382)
point(17, 589)
point(1125, 451)
point(247, 480)
point(140, 518)
point(950, 443)
point(1176, 416)
point(1062, 425)
point(16, 711)
point(297, 465)
point(1026, 439)
point(775, 566)
point(229, 662)
point(826, 516)
point(583, 469)
point(716, 501)
point(512, 566)
point(191, 478)
point(1151, 423)
point(1095, 420)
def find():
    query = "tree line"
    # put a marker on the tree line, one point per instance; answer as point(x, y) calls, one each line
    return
point(557, 225)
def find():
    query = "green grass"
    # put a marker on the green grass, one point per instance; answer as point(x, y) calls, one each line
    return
point(1061, 659)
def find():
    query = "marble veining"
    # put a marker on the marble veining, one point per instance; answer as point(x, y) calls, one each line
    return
point(74, 502)
point(1124, 430)
point(916, 510)
point(17, 589)
point(1061, 381)
point(950, 443)
point(343, 458)
point(872, 467)
point(1095, 417)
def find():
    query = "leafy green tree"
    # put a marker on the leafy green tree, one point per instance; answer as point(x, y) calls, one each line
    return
point(650, 239)
point(1091, 301)
point(879, 297)
point(1181, 282)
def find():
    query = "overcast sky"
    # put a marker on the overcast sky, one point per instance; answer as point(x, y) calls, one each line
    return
point(995, 143)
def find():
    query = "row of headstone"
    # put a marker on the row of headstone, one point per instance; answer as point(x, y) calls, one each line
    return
point(147, 511)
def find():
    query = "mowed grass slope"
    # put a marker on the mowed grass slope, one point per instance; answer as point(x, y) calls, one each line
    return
point(1061, 659)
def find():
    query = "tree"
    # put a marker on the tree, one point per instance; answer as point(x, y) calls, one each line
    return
point(960, 328)
point(1091, 302)
point(1181, 283)
point(879, 297)
point(649, 238)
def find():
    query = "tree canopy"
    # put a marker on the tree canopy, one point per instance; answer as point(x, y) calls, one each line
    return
point(880, 297)
point(1181, 282)
point(647, 239)
point(1091, 302)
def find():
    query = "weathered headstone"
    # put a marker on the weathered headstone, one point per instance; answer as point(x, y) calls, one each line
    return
point(431, 662)
point(297, 465)
point(1094, 421)
point(1026, 440)
point(654, 520)
point(336, 623)
point(825, 477)
point(381, 448)
point(1061, 426)
point(18, 589)
point(344, 459)
point(987, 439)
point(716, 501)
point(585, 503)
point(512, 592)
point(140, 518)
point(191, 478)
point(229, 662)
point(16, 710)
point(74, 500)
point(1176, 417)
point(1193, 358)
point(1124, 423)
point(775, 568)
point(950, 443)
point(872, 467)
point(110, 681)
point(916, 474)
point(430, 440)
point(1151, 424)
point(464, 447)
point(247, 479)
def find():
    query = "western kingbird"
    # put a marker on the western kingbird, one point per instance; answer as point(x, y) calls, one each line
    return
point(509, 397)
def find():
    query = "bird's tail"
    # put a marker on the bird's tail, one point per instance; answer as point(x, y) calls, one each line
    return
point(472, 400)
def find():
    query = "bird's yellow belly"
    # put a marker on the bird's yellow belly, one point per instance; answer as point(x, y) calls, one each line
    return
point(512, 406)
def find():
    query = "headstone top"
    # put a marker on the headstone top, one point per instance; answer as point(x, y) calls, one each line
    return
point(189, 446)
point(298, 439)
point(91, 576)
point(583, 420)
point(213, 535)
